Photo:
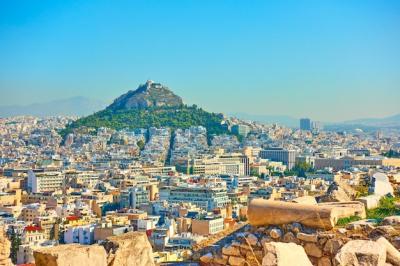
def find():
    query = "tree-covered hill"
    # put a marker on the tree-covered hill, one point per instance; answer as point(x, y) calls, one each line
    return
point(173, 117)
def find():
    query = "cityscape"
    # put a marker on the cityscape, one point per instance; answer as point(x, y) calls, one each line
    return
point(149, 176)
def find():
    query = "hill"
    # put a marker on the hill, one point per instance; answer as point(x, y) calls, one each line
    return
point(151, 105)
point(76, 106)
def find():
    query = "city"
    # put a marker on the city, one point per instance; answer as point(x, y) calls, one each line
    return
point(200, 133)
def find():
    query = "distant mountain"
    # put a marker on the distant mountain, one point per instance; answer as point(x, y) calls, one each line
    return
point(151, 105)
point(367, 124)
point(269, 119)
point(76, 106)
point(390, 121)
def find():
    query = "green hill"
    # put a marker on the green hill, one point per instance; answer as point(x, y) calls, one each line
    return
point(151, 105)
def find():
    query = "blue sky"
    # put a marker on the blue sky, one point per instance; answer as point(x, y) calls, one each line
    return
point(329, 60)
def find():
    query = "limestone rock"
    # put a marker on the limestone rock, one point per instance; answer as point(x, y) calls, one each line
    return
point(332, 246)
point(5, 246)
point(231, 251)
point(338, 192)
point(252, 239)
point(206, 258)
point(236, 261)
point(324, 261)
point(313, 250)
point(308, 237)
point(361, 252)
point(284, 254)
point(391, 220)
point(275, 233)
point(392, 254)
point(70, 255)
point(130, 249)
point(289, 237)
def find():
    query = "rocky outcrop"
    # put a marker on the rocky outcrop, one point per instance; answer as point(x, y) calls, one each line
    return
point(70, 255)
point(5, 246)
point(148, 95)
point(361, 252)
point(284, 254)
point(130, 249)
point(338, 192)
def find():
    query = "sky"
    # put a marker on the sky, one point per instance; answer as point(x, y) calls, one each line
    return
point(327, 60)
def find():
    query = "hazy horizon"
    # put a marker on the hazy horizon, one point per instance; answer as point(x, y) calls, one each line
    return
point(327, 60)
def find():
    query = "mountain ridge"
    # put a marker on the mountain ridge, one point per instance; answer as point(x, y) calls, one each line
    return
point(74, 106)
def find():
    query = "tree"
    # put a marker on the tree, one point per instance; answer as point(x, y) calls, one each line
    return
point(15, 239)
point(140, 144)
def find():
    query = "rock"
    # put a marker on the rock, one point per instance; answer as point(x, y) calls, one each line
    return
point(332, 246)
point(284, 254)
point(308, 237)
point(295, 227)
point(370, 201)
point(262, 212)
point(236, 261)
point(148, 95)
point(305, 200)
point(289, 237)
point(220, 260)
point(5, 246)
point(391, 220)
point(366, 225)
point(252, 239)
point(324, 261)
point(383, 230)
point(275, 233)
point(361, 252)
point(70, 254)
point(313, 250)
point(206, 258)
point(231, 251)
point(132, 248)
point(392, 254)
point(338, 192)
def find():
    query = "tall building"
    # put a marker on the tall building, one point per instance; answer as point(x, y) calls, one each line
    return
point(45, 181)
point(305, 124)
point(287, 157)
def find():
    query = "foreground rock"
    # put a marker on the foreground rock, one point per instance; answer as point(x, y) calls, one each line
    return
point(361, 252)
point(266, 212)
point(130, 249)
point(392, 254)
point(284, 254)
point(71, 254)
point(4, 250)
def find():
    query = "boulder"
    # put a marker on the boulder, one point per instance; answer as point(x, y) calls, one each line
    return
point(370, 201)
point(391, 220)
point(392, 254)
point(361, 252)
point(70, 255)
point(338, 192)
point(130, 249)
point(284, 254)
point(5, 246)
